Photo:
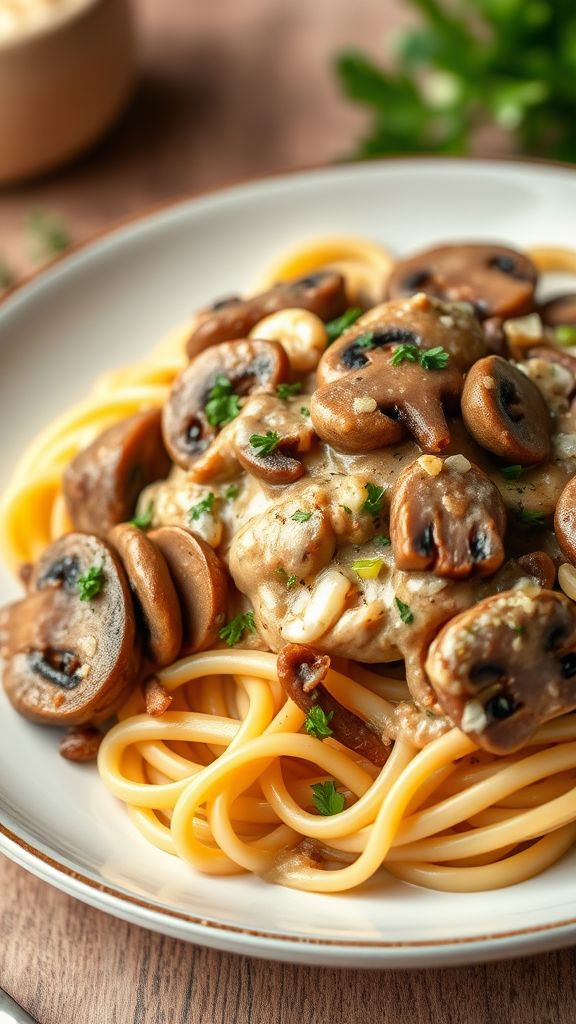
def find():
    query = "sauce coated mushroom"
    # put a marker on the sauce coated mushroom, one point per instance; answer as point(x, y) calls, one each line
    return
point(565, 520)
point(560, 311)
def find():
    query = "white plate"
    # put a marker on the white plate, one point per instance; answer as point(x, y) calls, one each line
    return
point(108, 304)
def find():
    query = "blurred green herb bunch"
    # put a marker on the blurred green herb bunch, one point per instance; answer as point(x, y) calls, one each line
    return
point(469, 64)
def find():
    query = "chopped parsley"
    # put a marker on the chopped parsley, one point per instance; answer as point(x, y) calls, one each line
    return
point(223, 403)
point(526, 517)
point(334, 328)
point(266, 443)
point(232, 632)
point(382, 540)
point(289, 579)
point(405, 354)
point(565, 335)
point(347, 509)
point(365, 340)
point(231, 492)
point(318, 722)
point(304, 410)
point(91, 583)
point(520, 630)
point(326, 798)
point(202, 507)
point(48, 235)
point(510, 472)
point(144, 520)
point(374, 500)
point(405, 611)
point(300, 516)
point(367, 568)
point(431, 359)
point(287, 390)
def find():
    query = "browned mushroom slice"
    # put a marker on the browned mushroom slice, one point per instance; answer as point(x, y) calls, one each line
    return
point(369, 408)
point(505, 412)
point(270, 456)
point(70, 645)
point(540, 567)
point(193, 413)
point(301, 670)
point(156, 597)
point(322, 293)
point(420, 320)
point(81, 744)
point(201, 583)
point(452, 523)
point(565, 520)
point(559, 312)
point(497, 281)
point(506, 665)
point(101, 485)
point(553, 355)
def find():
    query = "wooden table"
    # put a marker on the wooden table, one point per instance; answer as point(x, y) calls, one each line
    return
point(228, 90)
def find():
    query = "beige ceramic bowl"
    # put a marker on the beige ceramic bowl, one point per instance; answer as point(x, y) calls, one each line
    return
point(62, 83)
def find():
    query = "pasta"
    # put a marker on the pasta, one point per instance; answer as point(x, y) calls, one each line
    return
point(231, 776)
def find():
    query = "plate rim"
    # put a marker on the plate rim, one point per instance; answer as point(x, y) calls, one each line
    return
point(377, 953)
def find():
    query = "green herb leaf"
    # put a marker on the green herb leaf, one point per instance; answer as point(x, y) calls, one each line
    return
point(318, 722)
point(405, 354)
point(373, 503)
point(526, 517)
point(405, 611)
point(232, 632)
point(287, 390)
point(266, 443)
point(510, 472)
point(203, 507)
point(326, 798)
point(565, 335)
point(91, 583)
point(334, 328)
point(347, 509)
point(48, 235)
point(434, 358)
point(365, 340)
point(223, 403)
point(289, 580)
point(144, 520)
point(382, 540)
point(300, 516)
point(231, 492)
point(304, 410)
point(367, 568)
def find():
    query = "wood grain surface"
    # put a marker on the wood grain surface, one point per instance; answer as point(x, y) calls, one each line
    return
point(228, 89)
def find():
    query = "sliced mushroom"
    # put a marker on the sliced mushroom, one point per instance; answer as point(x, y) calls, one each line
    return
point(101, 485)
point(201, 583)
point(280, 466)
point(560, 311)
point(81, 744)
point(420, 320)
point(565, 520)
point(370, 408)
point(540, 567)
point(71, 661)
point(553, 355)
point(496, 280)
point(301, 670)
point(247, 366)
point(452, 523)
point(154, 592)
point(322, 293)
point(505, 412)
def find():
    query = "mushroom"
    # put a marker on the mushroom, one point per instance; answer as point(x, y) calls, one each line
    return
point(275, 461)
point(497, 281)
point(565, 520)
point(201, 583)
point(193, 414)
point(101, 485)
point(506, 665)
point(322, 293)
point(70, 645)
point(451, 523)
point(301, 670)
point(420, 320)
point(81, 744)
point(540, 567)
point(370, 408)
point(505, 412)
point(560, 311)
point(154, 593)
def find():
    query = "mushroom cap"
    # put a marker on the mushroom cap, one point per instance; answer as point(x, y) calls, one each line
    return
point(505, 412)
point(559, 311)
point(565, 520)
point(154, 592)
point(506, 665)
point(102, 484)
point(496, 280)
point(68, 661)
point(201, 583)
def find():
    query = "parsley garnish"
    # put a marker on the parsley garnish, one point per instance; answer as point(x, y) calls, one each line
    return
point(231, 492)
point(318, 722)
point(202, 507)
point(235, 629)
point(91, 583)
point(304, 410)
point(347, 509)
point(405, 611)
point(382, 540)
point(48, 235)
point(510, 472)
point(365, 340)
point(334, 328)
point(144, 520)
point(431, 359)
point(326, 798)
point(223, 404)
point(565, 335)
point(289, 580)
point(300, 516)
point(526, 517)
point(266, 443)
point(373, 503)
point(519, 629)
point(287, 390)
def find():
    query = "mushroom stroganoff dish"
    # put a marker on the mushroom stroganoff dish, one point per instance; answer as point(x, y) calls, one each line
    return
point(303, 580)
